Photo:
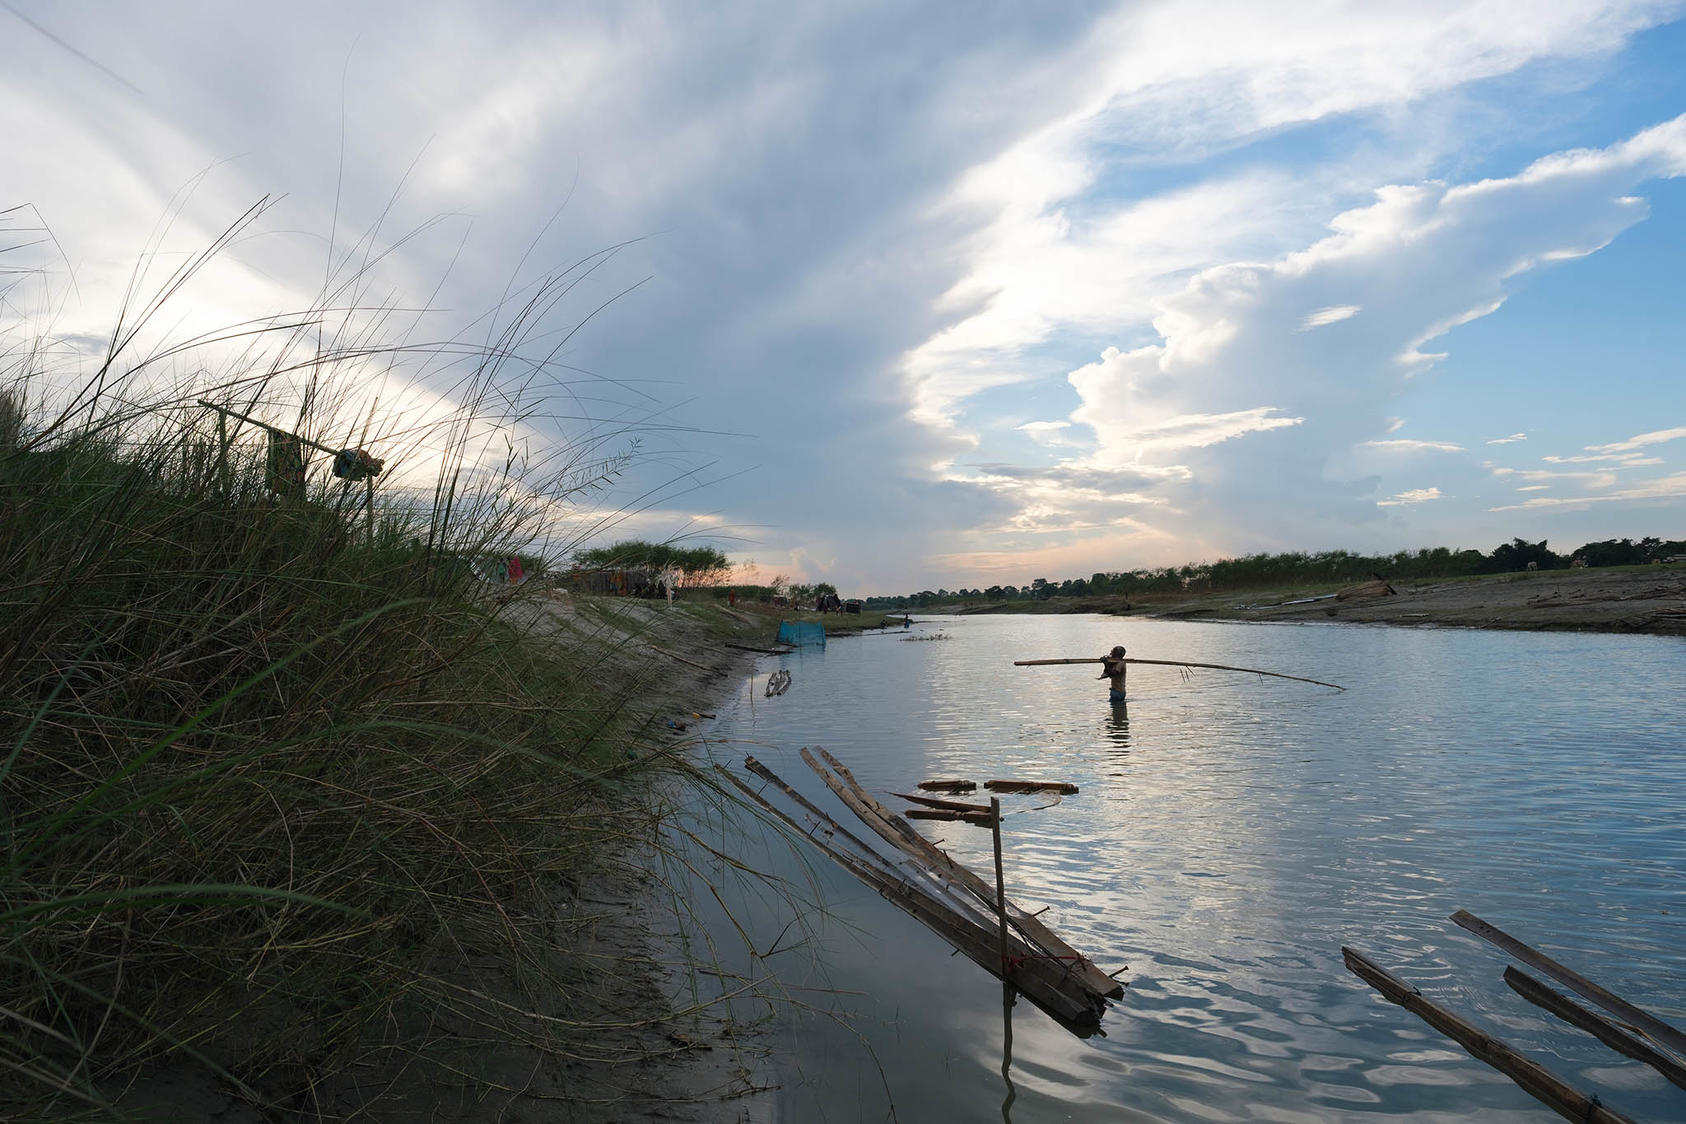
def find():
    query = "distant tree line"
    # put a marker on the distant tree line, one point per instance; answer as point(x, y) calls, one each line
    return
point(1256, 571)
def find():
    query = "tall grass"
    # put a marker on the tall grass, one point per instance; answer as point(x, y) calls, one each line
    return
point(277, 785)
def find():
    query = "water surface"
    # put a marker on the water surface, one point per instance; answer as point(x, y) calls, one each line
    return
point(1231, 833)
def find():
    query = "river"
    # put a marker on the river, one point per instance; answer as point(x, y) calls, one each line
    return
point(1231, 833)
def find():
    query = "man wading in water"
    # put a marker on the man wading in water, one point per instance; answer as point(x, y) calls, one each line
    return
point(1113, 668)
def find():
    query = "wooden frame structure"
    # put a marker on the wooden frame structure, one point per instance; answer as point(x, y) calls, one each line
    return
point(921, 879)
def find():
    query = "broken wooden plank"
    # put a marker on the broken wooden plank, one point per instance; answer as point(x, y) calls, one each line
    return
point(1595, 1024)
point(946, 805)
point(1060, 787)
point(1034, 930)
point(948, 786)
point(1533, 1078)
point(1647, 1023)
point(948, 815)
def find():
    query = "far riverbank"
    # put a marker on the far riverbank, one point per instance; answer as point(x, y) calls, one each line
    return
point(1642, 599)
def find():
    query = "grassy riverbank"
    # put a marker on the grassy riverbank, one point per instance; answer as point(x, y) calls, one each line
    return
point(293, 814)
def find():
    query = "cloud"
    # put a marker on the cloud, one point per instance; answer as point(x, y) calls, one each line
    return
point(1403, 445)
point(871, 244)
point(1656, 437)
point(1662, 488)
point(1332, 315)
point(1420, 259)
point(1415, 495)
point(1621, 460)
point(1511, 440)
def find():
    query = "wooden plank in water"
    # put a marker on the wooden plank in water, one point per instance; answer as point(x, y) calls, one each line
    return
point(1595, 1024)
point(977, 819)
point(1062, 787)
point(948, 786)
point(1534, 1079)
point(946, 805)
point(1034, 930)
point(1647, 1023)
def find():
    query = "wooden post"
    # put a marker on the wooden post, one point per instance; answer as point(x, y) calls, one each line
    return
point(1000, 882)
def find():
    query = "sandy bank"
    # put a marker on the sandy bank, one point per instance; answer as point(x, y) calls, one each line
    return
point(1642, 599)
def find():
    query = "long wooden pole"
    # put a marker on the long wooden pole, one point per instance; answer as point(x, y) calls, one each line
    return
point(1000, 885)
point(1535, 1079)
point(1185, 663)
point(1648, 1024)
point(1594, 1024)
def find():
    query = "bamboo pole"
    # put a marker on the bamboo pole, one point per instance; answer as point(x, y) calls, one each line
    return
point(1594, 1024)
point(1534, 1079)
point(1000, 882)
point(224, 410)
point(1648, 1024)
point(1184, 663)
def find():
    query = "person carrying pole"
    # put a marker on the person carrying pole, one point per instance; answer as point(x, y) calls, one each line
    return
point(1113, 667)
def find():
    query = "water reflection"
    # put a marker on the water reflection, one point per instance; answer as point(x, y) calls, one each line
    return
point(1118, 729)
point(1009, 995)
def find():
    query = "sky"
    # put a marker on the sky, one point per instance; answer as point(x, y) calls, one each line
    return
point(903, 297)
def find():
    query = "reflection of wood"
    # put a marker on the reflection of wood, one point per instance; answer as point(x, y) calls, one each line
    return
point(946, 805)
point(1183, 663)
point(1534, 1079)
point(1594, 1024)
point(1647, 1023)
point(1061, 787)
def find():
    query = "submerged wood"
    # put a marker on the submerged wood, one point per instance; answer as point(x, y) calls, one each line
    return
point(979, 819)
point(1595, 1024)
point(1183, 663)
point(901, 833)
point(1533, 1078)
point(1647, 1023)
point(1064, 788)
point(948, 786)
point(946, 805)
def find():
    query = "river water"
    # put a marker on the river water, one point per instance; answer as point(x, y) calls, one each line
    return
point(1231, 833)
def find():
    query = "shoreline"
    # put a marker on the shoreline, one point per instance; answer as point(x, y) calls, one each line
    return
point(683, 1063)
point(1648, 600)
